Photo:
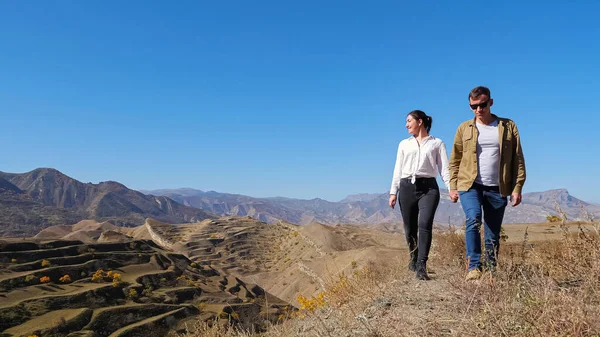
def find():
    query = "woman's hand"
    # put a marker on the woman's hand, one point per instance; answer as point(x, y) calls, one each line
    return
point(392, 200)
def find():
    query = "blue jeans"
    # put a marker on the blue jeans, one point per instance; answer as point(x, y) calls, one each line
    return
point(493, 204)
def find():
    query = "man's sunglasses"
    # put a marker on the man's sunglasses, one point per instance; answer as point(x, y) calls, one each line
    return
point(480, 105)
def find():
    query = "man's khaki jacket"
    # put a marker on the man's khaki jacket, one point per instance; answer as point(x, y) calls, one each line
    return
point(463, 160)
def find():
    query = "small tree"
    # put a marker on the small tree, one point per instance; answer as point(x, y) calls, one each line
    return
point(45, 279)
point(46, 264)
point(65, 279)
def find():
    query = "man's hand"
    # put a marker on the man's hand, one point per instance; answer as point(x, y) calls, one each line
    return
point(454, 195)
point(392, 200)
point(515, 198)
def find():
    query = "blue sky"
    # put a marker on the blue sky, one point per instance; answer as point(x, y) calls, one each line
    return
point(304, 99)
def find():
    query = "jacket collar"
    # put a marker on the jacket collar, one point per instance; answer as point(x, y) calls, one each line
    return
point(499, 119)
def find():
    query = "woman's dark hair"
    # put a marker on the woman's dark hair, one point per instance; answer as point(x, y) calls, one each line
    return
point(427, 120)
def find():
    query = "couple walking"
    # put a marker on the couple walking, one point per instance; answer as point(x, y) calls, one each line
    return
point(486, 166)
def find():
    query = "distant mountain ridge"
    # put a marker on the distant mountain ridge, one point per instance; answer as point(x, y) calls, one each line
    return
point(372, 208)
point(32, 201)
point(43, 197)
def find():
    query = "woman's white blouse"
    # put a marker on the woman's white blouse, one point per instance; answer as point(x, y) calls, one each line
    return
point(425, 161)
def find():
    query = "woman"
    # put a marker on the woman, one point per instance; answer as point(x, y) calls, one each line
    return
point(419, 159)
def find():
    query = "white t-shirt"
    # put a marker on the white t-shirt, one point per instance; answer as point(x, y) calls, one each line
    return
point(488, 154)
point(424, 161)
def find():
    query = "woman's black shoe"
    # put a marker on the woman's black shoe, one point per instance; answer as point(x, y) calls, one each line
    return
point(422, 273)
point(412, 265)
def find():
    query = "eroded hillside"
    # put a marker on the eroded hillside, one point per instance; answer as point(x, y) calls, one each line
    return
point(284, 259)
point(60, 288)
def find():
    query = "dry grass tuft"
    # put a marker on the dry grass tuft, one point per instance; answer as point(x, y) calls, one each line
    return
point(215, 329)
point(449, 249)
point(546, 288)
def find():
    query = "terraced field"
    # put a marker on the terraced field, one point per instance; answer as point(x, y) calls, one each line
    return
point(154, 279)
point(136, 288)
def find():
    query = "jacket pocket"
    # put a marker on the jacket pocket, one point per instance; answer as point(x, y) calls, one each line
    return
point(467, 137)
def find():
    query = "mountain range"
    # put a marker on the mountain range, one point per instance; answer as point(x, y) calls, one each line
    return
point(44, 197)
point(371, 208)
point(32, 201)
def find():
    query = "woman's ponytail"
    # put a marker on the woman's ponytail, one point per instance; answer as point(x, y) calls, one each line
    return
point(428, 121)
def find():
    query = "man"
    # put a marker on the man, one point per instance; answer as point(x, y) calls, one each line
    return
point(486, 166)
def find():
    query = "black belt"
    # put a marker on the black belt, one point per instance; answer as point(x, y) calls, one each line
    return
point(420, 179)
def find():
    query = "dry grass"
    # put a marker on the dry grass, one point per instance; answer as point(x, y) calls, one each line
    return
point(544, 289)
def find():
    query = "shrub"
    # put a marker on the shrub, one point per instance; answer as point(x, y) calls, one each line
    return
point(503, 235)
point(46, 263)
point(133, 294)
point(116, 279)
point(65, 279)
point(312, 303)
point(553, 218)
point(44, 279)
point(147, 291)
point(98, 276)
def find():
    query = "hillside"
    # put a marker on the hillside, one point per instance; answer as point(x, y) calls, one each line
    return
point(44, 197)
point(20, 215)
point(284, 259)
point(229, 267)
point(172, 278)
point(132, 288)
point(544, 289)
